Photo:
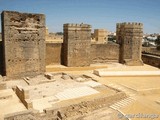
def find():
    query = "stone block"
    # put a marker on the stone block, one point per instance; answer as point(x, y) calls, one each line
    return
point(49, 76)
point(66, 77)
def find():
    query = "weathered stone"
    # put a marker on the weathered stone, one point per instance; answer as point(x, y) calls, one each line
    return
point(49, 76)
point(24, 43)
point(129, 36)
point(80, 79)
point(101, 36)
point(66, 77)
point(76, 45)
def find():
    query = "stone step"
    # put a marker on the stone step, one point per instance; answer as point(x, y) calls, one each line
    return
point(123, 103)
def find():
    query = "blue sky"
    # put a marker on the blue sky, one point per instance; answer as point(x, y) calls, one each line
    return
point(98, 13)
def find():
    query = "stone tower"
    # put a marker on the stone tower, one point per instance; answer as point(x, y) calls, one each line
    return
point(76, 45)
point(23, 36)
point(129, 36)
point(101, 36)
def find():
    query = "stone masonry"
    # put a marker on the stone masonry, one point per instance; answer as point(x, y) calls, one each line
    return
point(23, 36)
point(101, 36)
point(76, 45)
point(129, 36)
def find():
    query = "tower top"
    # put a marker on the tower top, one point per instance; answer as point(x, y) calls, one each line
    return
point(76, 25)
point(130, 25)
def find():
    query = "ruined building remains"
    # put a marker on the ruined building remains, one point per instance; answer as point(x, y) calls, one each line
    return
point(76, 45)
point(23, 42)
point(129, 36)
point(101, 36)
point(23, 37)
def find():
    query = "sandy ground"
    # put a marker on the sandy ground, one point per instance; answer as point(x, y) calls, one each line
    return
point(146, 89)
point(10, 103)
point(61, 68)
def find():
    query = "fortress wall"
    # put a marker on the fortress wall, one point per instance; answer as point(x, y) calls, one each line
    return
point(152, 60)
point(102, 53)
point(99, 53)
point(151, 51)
point(53, 53)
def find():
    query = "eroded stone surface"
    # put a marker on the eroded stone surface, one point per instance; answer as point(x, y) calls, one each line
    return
point(129, 36)
point(76, 45)
point(24, 43)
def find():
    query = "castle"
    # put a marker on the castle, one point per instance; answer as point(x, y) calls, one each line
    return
point(25, 52)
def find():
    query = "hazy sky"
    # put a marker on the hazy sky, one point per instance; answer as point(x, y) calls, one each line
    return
point(98, 13)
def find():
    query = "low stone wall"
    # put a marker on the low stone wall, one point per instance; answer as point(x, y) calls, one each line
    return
point(23, 95)
point(53, 53)
point(151, 60)
point(24, 115)
point(102, 53)
point(69, 110)
point(150, 50)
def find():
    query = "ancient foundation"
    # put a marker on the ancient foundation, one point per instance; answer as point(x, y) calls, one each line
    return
point(76, 45)
point(23, 37)
point(129, 36)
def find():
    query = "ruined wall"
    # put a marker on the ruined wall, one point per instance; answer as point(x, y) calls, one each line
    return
point(129, 37)
point(102, 53)
point(151, 60)
point(65, 112)
point(76, 45)
point(53, 53)
point(24, 43)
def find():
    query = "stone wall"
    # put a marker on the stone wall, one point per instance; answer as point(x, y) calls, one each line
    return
point(99, 53)
point(1, 58)
point(53, 53)
point(76, 45)
point(151, 60)
point(65, 112)
point(101, 36)
point(151, 50)
point(129, 36)
point(24, 43)
point(24, 115)
point(102, 53)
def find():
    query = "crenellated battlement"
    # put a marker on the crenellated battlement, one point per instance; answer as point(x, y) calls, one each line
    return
point(77, 25)
point(129, 25)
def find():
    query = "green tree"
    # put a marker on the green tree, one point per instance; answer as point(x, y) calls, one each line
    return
point(157, 42)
